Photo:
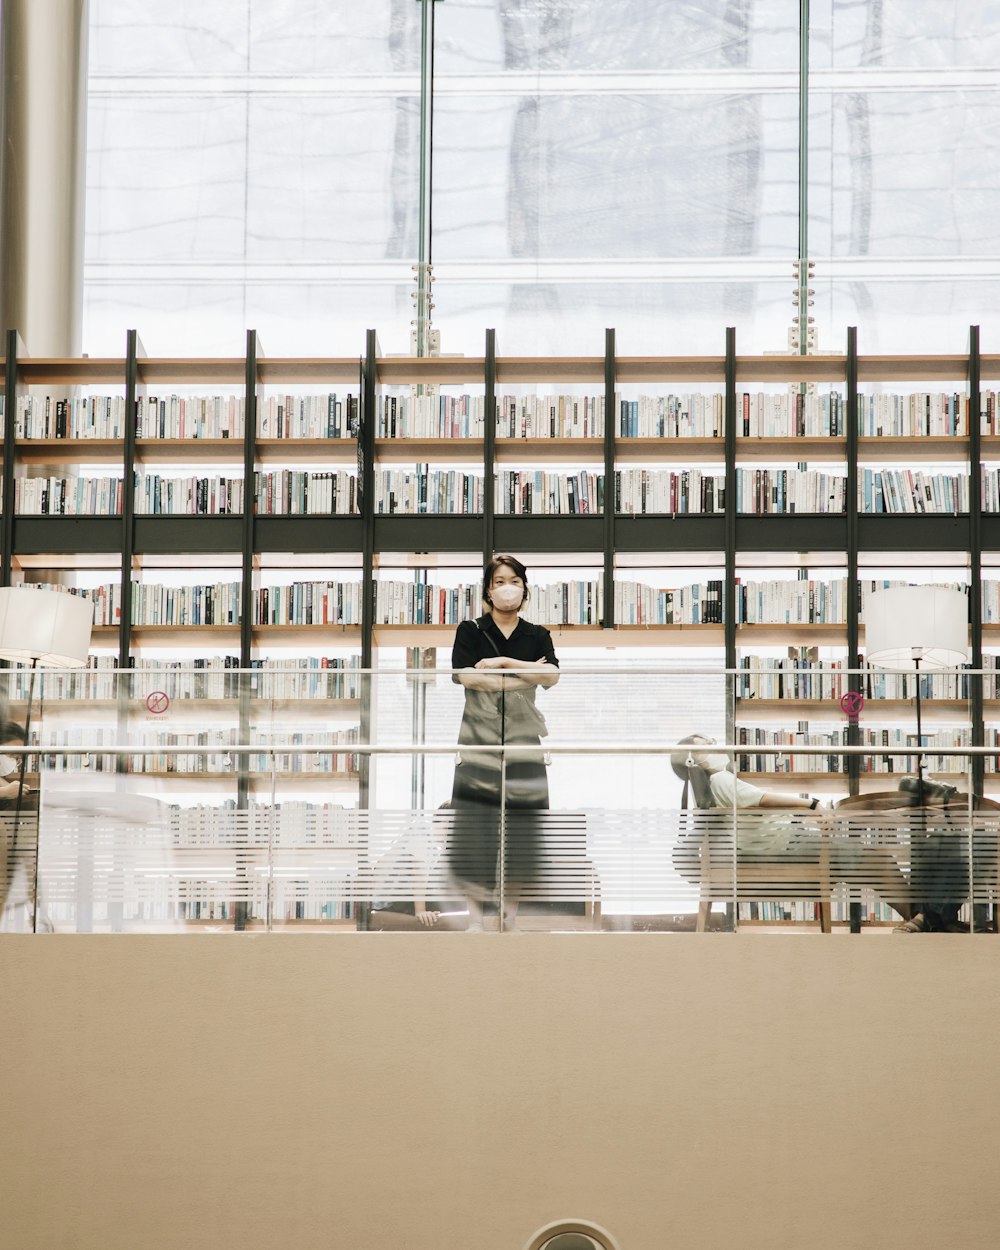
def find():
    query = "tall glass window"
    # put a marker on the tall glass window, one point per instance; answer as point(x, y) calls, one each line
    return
point(904, 112)
point(630, 163)
point(251, 164)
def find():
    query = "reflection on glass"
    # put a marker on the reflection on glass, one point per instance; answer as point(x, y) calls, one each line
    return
point(183, 801)
point(225, 155)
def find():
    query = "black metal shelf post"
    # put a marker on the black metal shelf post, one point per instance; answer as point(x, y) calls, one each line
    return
point(367, 416)
point(10, 391)
point(976, 556)
point(610, 436)
point(978, 739)
point(729, 575)
point(133, 352)
point(247, 590)
point(489, 446)
point(247, 597)
point(854, 684)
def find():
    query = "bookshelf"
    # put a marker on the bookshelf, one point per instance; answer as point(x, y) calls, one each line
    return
point(741, 390)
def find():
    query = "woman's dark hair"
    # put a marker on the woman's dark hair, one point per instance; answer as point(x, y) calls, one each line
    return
point(513, 563)
point(11, 731)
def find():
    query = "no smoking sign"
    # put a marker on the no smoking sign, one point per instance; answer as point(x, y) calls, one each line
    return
point(157, 702)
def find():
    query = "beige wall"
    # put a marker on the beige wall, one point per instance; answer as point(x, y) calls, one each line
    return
point(421, 1091)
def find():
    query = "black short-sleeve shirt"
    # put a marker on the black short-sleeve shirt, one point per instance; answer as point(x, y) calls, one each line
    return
point(527, 643)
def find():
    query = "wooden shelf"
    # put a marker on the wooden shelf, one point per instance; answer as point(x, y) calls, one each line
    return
point(188, 451)
point(511, 370)
point(922, 449)
point(686, 369)
point(303, 370)
point(284, 451)
point(644, 451)
point(915, 450)
point(571, 451)
point(438, 370)
point(70, 371)
point(191, 371)
point(70, 450)
point(875, 712)
point(915, 368)
point(412, 451)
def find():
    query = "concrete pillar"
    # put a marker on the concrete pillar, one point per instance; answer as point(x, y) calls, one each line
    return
point(42, 172)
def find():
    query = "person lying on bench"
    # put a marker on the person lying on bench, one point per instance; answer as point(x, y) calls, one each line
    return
point(710, 775)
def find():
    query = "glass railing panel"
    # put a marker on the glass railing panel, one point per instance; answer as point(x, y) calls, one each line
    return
point(126, 852)
point(598, 829)
point(604, 855)
point(186, 802)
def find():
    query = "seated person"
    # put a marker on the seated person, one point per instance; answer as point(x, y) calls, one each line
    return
point(18, 823)
point(12, 735)
point(402, 877)
point(794, 840)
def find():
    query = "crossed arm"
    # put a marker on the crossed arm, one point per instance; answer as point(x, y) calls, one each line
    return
point(488, 674)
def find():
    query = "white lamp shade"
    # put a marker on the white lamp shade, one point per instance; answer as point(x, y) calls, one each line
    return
point(49, 627)
point(904, 624)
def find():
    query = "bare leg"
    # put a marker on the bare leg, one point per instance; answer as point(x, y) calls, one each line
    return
point(510, 905)
point(475, 914)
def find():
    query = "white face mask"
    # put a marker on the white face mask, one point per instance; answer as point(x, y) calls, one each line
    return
point(8, 765)
point(712, 762)
point(507, 598)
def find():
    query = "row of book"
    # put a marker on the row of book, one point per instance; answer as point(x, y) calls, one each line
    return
point(640, 491)
point(901, 744)
point(803, 601)
point(309, 603)
point(440, 491)
point(537, 493)
point(638, 604)
point(68, 496)
point(283, 492)
point(200, 752)
point(765, 491)
point(693, 415)
point(787, 602)
point(780, 414)
point(911, 490)
point(550, 416)
point(307, 416)
point(800, 675)
point(921, 414)
point(431, 416)
point(417, 603)
point(790, 602)
point(191, 417)
point(288, 492)
point(84, 417)
point(188, 496)
point(558, 603)
point(291, 492)
point(201, 677)
point(180, 417)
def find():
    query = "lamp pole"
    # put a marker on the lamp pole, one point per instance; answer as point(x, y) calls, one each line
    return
point(920, 736)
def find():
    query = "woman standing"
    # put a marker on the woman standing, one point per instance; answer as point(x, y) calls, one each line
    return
point(501, 660)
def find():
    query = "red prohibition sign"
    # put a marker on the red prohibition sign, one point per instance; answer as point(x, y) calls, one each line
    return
point(852, 703)
point(157, 702)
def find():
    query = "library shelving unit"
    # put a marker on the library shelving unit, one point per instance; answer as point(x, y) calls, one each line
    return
point(851, 536)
